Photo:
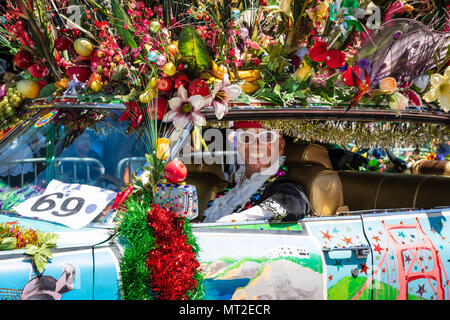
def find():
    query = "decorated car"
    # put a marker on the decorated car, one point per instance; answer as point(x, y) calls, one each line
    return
point(129, 129)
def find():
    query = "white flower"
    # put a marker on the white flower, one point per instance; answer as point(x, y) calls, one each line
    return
point(440, 90)
point(184, 109)
point(222, 94)
point(398, 102)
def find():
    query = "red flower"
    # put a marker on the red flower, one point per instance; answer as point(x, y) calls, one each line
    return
point(318, 51)
point(349, 74)
point(335, 59)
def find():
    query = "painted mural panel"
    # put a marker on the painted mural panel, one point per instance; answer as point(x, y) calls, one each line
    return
point(411, 255)
point(260, 265)
point(68, 277)
point(346, 254)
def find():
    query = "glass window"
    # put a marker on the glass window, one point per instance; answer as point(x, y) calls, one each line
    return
point(87, 147)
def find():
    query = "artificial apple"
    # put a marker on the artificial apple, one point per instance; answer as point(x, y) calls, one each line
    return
point(164, 84)
point(175, 171)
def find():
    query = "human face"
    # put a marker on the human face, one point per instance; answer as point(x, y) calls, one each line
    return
point(259, 147)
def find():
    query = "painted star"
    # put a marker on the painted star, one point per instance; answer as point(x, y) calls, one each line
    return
point(364, 268)
point(330, 277)
point(338, 264)
point(421, 290)
point(335, 230)
point(347, 240)
point(407, 259)
point(326, 235)
point(377, 248)
point(376, 238)
point(401, 234)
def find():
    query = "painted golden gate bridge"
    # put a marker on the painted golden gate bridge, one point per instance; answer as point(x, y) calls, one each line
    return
point(405, 274)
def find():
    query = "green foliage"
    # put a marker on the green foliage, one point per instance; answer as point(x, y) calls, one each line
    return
point(40, 253)
point(8, 243)
point(134, 230)
point(193, 49)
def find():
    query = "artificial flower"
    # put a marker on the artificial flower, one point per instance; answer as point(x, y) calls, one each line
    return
point(184, 109)
point(223, 93)
point(349, 74)
point(440, 90)
point(398, 102)
point(162, 148)
point(335, 58)
point(318, 51)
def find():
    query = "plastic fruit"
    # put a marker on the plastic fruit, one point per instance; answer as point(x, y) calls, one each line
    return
point(198, 86)
point(83, 47)
point(175, 171)
point(29, 88)
point(249, 87)
point(169, 69)
point(23, 59)
point(62, 43)
point(82, 72)
point(97, 85)
point(94, 77)
point(172, 49)
point(161, 105)
point(164, 84)
point(147, 96)
point(155, 26)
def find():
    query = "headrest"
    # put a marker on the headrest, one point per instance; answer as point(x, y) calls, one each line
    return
point(307, 153)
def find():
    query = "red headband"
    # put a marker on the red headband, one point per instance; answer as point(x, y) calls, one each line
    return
point(247, 124)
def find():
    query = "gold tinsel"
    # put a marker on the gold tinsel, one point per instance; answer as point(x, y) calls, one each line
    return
point(363, 134)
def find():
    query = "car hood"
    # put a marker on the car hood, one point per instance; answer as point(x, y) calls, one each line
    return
point(87, 236)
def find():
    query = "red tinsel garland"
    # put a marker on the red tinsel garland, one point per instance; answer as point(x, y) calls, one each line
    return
point(172, 263)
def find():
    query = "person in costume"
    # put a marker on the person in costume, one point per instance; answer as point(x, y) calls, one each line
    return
point(260, 189)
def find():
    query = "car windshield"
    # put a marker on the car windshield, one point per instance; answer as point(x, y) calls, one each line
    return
point(84, 147)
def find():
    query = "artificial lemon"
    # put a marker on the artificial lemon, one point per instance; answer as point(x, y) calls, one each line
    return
point(170, 69)
point(83, 47)
point(29, 88)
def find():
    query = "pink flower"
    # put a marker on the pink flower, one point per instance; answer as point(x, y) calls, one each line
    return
point(222, 94)
point(184, 109)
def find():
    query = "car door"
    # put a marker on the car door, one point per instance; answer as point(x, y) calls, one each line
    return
point(259, 260)
point(347, 255)
point(411, 254)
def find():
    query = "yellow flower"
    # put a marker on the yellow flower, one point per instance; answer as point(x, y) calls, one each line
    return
point(319, 13)
point(440, 90)
point(162, 148)
point(303, 72)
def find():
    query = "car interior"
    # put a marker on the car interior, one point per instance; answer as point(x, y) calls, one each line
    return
point(332, 192)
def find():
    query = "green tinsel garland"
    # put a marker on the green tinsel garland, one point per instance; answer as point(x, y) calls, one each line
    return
point(133, 229)
point(138, 240)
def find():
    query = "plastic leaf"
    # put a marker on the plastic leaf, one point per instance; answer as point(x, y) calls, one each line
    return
point(8, 243)
point(192, 47)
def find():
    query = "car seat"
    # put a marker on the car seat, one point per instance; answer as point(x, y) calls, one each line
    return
point(309, 165)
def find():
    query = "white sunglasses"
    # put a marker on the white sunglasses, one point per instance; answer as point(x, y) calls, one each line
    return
point(248, 137)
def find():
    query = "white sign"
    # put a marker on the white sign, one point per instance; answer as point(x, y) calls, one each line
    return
point(74, 205)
